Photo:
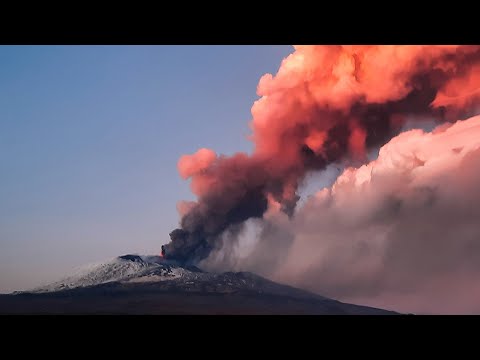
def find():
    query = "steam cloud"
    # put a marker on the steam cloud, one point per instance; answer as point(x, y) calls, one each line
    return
point(400, 232)
point(326, 104)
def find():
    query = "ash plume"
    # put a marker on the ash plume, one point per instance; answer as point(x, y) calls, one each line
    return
point(325, 104)
point(400, 232)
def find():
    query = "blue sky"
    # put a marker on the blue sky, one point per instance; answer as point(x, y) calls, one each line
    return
point(89, 141)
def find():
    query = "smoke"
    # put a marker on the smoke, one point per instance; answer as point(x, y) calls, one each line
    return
point(326, 104)
point(400, 232)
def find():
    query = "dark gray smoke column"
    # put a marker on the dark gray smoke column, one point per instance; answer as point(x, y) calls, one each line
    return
point(194, 241)
point(326, 104)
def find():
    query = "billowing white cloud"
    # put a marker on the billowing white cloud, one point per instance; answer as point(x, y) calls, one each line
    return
point(400, 232)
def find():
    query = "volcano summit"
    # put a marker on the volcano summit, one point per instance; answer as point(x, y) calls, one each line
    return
point(133, 284)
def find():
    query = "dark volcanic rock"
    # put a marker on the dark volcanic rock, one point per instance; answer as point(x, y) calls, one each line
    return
point(132, 284)
point(134, 258)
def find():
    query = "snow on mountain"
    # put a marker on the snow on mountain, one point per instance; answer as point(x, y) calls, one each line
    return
point(127, 268)
point(137, 269)
point(134, 284)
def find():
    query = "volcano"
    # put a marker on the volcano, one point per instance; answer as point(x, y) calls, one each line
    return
point(133, 284)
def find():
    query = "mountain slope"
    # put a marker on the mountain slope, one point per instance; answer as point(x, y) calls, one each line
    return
point(123, 268)
point(132, 284)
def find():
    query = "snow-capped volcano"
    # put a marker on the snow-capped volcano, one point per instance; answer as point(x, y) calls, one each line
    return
point(126, 268)
point(134, 284)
